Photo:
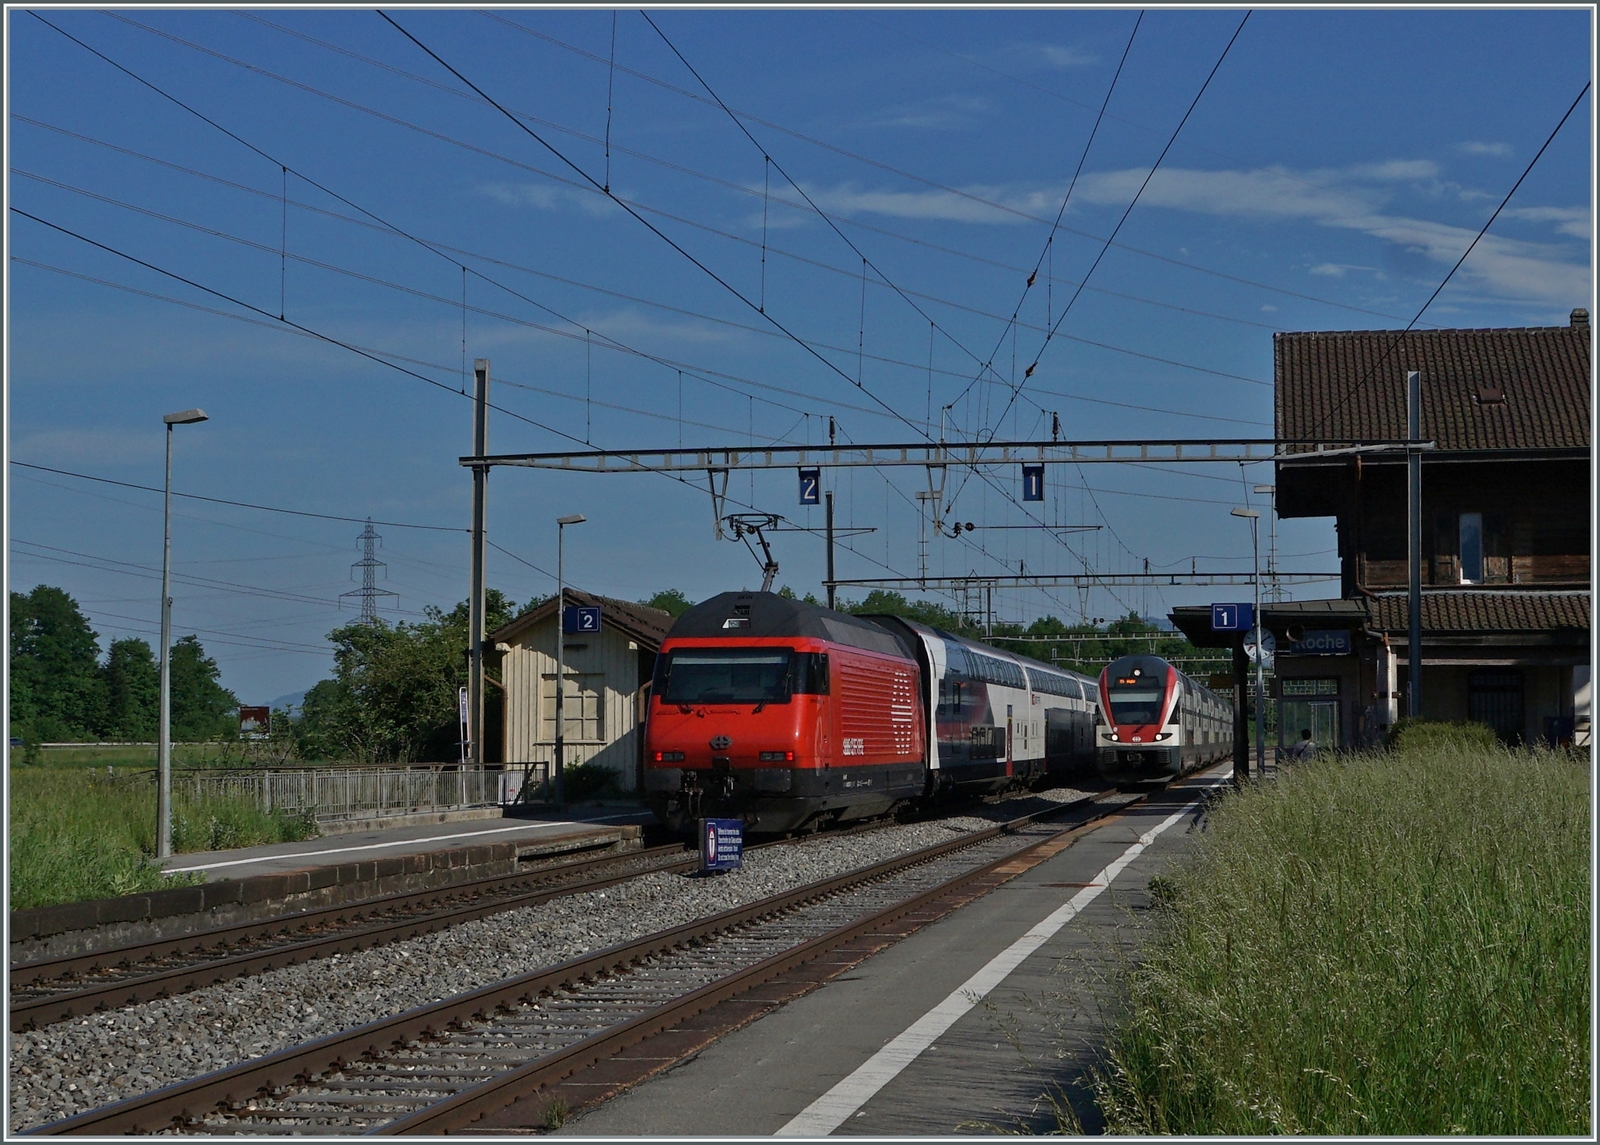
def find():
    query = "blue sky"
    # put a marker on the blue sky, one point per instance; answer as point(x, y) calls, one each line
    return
point(1334, 169)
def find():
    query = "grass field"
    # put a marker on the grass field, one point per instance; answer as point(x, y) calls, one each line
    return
point(1392, 944)
point(131, 755)
point(82, 834)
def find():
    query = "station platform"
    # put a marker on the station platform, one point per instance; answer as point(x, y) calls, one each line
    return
point(533, 832)
point(230, 887)
point(986, 1020)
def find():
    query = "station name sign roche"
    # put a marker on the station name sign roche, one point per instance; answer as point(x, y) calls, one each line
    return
point(1322, 642)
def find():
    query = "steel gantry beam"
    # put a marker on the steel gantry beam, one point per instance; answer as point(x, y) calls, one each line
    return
point(1074, 580)
point(929, 454)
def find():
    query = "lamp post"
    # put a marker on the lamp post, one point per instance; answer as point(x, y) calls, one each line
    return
point(164, 736)
point(561, 665)
point(1255, 548)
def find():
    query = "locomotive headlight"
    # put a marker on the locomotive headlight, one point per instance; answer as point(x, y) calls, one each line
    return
point(777, 757)
point(669, 757)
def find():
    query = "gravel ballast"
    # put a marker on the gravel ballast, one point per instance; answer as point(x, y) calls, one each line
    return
point(84, 1063)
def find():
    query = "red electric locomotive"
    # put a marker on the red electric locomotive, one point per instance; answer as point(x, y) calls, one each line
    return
point(784, 711)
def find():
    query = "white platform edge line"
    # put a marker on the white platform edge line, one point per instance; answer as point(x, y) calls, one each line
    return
point(840, 1103)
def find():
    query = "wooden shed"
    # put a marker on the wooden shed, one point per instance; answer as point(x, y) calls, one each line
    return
point(607, 683)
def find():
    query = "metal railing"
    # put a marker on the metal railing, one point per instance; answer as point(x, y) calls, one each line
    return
point(328, 793)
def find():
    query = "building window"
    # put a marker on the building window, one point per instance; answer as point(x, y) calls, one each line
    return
point(582, 707)
point(1471, 548)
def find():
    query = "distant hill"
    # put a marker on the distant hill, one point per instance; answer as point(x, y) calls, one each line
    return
point(291, 701)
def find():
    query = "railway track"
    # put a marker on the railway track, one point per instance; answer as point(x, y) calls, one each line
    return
point(46, 991)
point(444, 1065)
point(56, 989)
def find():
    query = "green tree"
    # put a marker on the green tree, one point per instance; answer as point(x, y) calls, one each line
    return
point(392, 697)
point(924, 612)
point(202, 709)
point(57, 692)
point(133, 691)
point(669, 600)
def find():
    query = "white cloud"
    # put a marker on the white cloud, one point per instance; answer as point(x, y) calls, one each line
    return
point(946, 112)
point(851, 198)
point(1475, 147)
point(546, 198)
point(1530, 271)
point(1338, 269)
point(1064, 56)
point(1575, 221)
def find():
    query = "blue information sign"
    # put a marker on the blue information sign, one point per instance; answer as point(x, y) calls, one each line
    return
point(721, 844)
point(1033, 482)
point(1232, 617)
point(811, 486)
point(580, 618)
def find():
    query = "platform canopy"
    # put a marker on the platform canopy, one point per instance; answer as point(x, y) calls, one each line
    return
point(1277, 617)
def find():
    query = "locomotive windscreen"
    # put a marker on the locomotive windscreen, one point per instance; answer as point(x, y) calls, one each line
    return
point(727, 676)
point(740, 675)
point(1136, 703)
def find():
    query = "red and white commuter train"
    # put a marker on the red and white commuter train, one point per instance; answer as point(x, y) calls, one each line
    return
point(1158, 723)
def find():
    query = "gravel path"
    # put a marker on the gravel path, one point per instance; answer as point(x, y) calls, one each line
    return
point(73, 1066)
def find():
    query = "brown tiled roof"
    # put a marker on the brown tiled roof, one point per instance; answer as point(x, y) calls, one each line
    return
point(1342, 385)
point(1469, 611)
point(648, 626)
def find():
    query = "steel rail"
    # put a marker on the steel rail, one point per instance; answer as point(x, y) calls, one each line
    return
point(489, 896)
point(174, 1105)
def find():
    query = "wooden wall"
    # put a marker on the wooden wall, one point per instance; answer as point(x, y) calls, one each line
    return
point(605, 661)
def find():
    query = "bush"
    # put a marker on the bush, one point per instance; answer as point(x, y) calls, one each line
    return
point(1393, 944)
point(588, 781)
point(1423, 735)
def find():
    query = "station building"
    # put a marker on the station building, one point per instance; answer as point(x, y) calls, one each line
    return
point(1506, 594)
point(607, 681)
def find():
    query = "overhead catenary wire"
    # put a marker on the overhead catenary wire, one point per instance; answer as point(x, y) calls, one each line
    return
point(657, 231)
point(616, 344)
point(1083, 156)
point(856, 156)
point(1395, 341)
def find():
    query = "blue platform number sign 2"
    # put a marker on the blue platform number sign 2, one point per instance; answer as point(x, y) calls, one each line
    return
point(1033, 482)
point(1232, 617)
point(811, 486)
point(721, 844)
point(579, 619)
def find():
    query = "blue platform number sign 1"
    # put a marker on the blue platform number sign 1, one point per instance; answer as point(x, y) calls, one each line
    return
point(1232, 617)
point(1033, 482)
point(811, 486)
point(579, 619)
point(721, 844)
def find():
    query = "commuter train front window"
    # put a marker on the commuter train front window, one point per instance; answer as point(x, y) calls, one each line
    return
point(727, 676)
point(1140, 704)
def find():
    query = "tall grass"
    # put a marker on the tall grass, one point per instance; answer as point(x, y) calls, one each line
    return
point(79, 834)
point(1394, 944)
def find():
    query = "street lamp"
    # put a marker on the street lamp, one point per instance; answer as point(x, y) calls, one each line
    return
point(1255, 548)
point(561, 665)
point(164, 736)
